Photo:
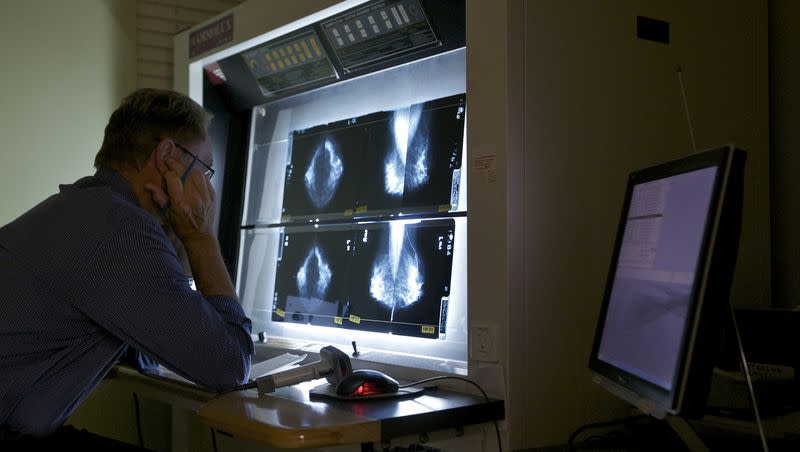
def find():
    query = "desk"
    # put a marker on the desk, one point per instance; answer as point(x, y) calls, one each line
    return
point(288, 418)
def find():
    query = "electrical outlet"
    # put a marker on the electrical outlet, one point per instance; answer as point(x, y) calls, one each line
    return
point(483, 342)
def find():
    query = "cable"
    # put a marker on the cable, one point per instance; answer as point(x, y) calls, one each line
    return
point(625, 420)
point(213, 440)
point(138, 420)
point(686, 107)
point(249, 385)
point(760, 426)
point(447, 377)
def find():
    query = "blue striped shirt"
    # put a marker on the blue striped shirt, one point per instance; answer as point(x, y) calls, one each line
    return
point(84, 274)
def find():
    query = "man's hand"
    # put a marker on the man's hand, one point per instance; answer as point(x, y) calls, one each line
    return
point(191, 203)
point(191, 216)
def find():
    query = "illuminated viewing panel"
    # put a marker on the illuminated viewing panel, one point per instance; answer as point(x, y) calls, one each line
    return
point(355, 216)
point(407, 159)
point(381, 277)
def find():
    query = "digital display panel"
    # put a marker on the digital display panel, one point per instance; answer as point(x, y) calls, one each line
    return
point(388, 277)
point(405, 160)
point(293, 62)
point(379, 31)
point(655, 275)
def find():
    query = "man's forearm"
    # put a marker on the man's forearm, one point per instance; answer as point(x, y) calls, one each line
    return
point(208, 269)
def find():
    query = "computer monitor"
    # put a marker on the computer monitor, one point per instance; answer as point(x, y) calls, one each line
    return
point(666, 297)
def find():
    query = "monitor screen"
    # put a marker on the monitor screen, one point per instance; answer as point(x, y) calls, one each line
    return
point(669, 279)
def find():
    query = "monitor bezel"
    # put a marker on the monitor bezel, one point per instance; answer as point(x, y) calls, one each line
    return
point(708, 297)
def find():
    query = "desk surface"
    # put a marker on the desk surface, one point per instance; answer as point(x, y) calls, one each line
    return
point(288, 418)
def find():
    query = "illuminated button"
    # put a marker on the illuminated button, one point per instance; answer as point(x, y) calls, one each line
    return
point(403, 13)
point(376, 29)
point(294, 59)
point(339, 41)
point(388, 24)
point(351, 37)
point(347, 28)
point(384, 16)
point(397, 16)
point(335, 32)
point(283, 54)
point(289, 50)
point(363, 33)
point(315, 46)
point(358, 24)
point(371, 20)
point(305, 49)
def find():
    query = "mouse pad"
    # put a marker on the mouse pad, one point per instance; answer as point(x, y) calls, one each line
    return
point(328, 391)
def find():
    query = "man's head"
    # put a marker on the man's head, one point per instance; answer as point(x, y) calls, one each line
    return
point(153, 134)
point(143, 120)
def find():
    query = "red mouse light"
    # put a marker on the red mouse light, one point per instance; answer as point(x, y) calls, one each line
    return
point(363, 383)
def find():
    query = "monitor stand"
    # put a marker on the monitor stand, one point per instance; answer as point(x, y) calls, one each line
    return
point(686, 433)
point(682, 428)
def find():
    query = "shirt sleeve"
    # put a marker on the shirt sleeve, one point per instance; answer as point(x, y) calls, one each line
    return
point(142, 296)
point(138, 360)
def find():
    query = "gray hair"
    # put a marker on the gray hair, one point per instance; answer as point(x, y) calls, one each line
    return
point(145, 117)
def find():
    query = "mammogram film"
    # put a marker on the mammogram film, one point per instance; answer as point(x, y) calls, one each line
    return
point(383, 277)
point(400, 159)
point(311, 281)
point(401, 272)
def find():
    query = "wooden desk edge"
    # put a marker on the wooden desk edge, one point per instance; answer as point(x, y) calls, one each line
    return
point(173, 388)
point(286, 423)
point(360, 431)
point(295, 438)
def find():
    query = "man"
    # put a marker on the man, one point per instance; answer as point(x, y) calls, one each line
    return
point(90, 271)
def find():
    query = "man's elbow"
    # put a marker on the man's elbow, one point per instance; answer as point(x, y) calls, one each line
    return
point(236, 373)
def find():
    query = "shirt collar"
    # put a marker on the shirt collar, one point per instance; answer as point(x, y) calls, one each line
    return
point(117, 183)
point(107, 178)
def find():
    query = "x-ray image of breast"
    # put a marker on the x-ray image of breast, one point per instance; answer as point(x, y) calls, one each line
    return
point(396, 280)
point(406, 158)
point(311, 280)
point(406, 162)
point(400, 273)
point(324, 173)
point(434, 153)
point(314, 275)
point(413, 154)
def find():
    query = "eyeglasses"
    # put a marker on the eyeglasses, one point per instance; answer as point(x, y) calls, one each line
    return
point(208, 173)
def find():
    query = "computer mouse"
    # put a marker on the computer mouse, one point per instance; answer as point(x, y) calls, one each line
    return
point(364, 382)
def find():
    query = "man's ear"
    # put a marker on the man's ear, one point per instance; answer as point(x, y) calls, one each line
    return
point(163, 151)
